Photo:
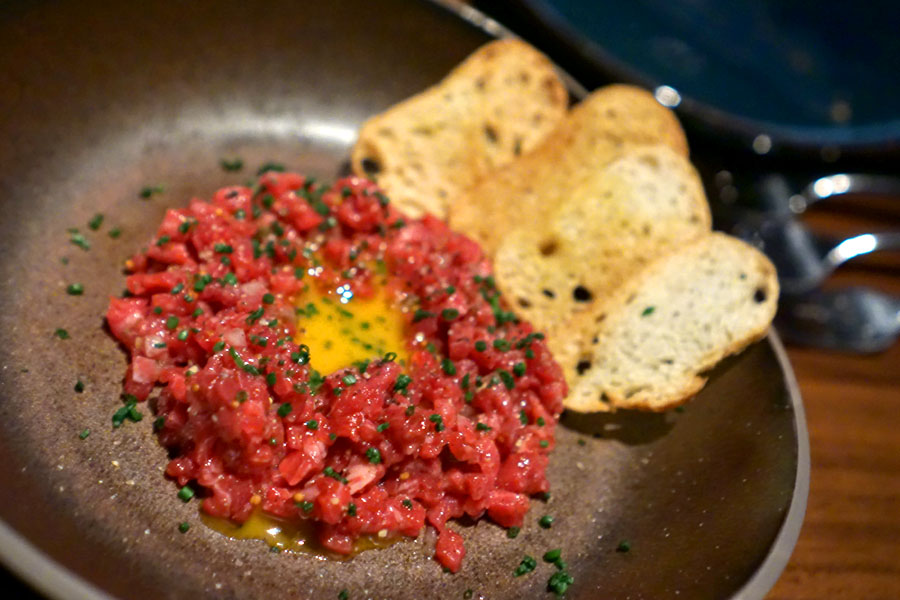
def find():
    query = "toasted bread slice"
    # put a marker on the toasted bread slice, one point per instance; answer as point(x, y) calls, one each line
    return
point(611, 223)
point(652, 342)
point(499, 103)
point(595, 132)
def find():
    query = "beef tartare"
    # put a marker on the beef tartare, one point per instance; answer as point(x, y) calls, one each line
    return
point(424, 399)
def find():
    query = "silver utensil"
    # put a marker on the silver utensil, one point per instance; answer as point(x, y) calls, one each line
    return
point(854, 319)
point(778, 194)
point(805, 259)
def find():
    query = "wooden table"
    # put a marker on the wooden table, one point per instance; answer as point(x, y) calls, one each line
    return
point(849, 546)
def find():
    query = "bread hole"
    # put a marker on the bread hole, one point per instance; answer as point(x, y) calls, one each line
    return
point(517, 147)
point(442, 193)
point(490, 133)
point(646, 229)
point(611, 113)
point(760, 295)
point(549, 293)
point(599, 319)
point(480, 83)
point(743, 276)
point(549, 247)
point(604, 398)
point(370, 166)
point(583, 365)
point(582, 294)
point(537, 118)
point(667, 361)
point(386, 132)
point(523, 302)
point(423, 130)
point(631, 299)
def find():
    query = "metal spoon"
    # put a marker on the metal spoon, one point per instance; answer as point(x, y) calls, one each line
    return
point(854, 319)
point(804, 259)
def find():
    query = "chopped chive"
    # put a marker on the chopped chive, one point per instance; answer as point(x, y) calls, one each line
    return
point(114, 232)
point(624, 546)
point(349, 379)
point(223, 249)
point(306, 506)
point(507, 379)
point(218, 346)
point(80, 241)
point(543, 443)
point(330, 472)
point(184, 526)
point(448, 314)
point(185, 494)
point(96, 222)
point(373, 455)
point(421, 314)
point(559, 582)
point(552, 556)
point(84, 434)
point(438, 422)
point(403, 381)
point(177, 289)
point(182, 335)
point(270, 166)
point(519, 369)
point(231, 164)
point(351, 509)
point(648, 311)
point(448, 366)
point(268, 298)
point(523, 417)
point(482, 427)
point(150, 190)
point(61, 334)
point(271, 378)
point(197, 312)
point(79, 386)
point(382, 427)
point(410, 410)
point(513, 532)
point(343, 595)
point(527, 565)
point(312, 424)
point(285, 409)
point(171, 322)
point(501, 345)
point(75, 289)
point(480, 345)
point(407, 503)
point(546, 521)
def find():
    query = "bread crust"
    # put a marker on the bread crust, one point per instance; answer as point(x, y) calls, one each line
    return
point(497, 104)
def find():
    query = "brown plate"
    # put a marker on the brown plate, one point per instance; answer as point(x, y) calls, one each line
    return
point(100, 99)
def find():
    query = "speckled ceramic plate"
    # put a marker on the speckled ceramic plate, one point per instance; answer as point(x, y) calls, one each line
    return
point(100, 99)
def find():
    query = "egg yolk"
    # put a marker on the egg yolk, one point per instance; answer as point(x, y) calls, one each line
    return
point(341, 330)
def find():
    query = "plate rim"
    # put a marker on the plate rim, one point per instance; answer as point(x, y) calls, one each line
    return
point(50, 578)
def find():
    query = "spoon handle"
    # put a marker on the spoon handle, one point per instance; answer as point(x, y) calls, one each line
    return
point(862, 244)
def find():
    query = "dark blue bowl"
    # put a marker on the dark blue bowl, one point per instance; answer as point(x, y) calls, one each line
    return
point(808, 76)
